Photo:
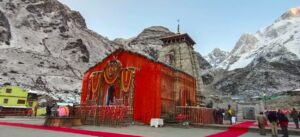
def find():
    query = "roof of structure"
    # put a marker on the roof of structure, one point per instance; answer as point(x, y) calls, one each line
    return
point(178, 37)
point(138, 54)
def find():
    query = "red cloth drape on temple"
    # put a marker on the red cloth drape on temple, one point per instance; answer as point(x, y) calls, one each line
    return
point(155, 90)
point(84, 88)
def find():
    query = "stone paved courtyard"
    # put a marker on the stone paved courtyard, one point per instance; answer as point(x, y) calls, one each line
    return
point(146, 131)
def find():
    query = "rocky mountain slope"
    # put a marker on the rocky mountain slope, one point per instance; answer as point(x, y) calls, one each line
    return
point(264, 62)
point(147, 42)
point(45, 46)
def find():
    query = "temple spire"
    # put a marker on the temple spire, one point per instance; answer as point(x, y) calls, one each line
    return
point(178, 26)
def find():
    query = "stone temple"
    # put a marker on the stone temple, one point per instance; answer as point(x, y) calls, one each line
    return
point(178, 52)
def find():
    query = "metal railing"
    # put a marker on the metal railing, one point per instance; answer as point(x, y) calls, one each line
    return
point(103, 115)
point(195, 115)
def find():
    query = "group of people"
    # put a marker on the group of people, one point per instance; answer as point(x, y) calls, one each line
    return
point(220, 114)
point(277, 118)
point(54, 110)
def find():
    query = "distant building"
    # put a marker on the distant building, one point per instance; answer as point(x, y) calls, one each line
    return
point(295, 92)
point(16, 101)
point(255, 98)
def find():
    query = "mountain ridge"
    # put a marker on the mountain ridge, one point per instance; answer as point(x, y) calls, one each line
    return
point(47, 47)
point(265, 62)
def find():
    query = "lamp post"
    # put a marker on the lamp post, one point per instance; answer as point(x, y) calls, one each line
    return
point(265, 102)
point(267, 83)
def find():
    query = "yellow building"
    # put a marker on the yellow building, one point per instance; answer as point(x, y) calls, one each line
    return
point(16, 101)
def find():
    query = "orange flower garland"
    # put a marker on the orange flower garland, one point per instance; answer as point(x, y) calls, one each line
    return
point(126, 78)
point(89, 89)
point(110, 79)
point(111, 71)
point(95, 81)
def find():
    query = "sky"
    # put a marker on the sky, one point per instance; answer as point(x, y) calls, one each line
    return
point(211, 23)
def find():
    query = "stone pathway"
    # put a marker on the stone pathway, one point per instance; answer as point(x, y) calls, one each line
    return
point(146, 131)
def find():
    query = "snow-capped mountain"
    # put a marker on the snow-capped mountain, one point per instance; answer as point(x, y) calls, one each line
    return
point(45, 46)
point(216, 57)
point(265, 62)
point(282, 35)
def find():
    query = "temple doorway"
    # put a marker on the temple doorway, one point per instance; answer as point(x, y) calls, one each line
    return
point(110, 95)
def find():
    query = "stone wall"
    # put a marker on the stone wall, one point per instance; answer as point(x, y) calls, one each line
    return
point(182, 56)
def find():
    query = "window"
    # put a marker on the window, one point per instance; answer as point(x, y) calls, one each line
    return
point(5, 101)
point(21, 101)
point(8, 90)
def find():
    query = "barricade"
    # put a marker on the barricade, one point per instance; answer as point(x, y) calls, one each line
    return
point(103, 115)
point(195, 115)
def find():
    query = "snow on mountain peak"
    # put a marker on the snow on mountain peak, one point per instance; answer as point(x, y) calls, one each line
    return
point(246, 43)
point(216, 56)
point(283, 33)
point(291, 13)
point(295, 11)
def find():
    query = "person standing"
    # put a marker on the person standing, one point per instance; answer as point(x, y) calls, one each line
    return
point(283, 122)
point(215, 115)
point(295, 116)
point(272, 116)
point(35, 109)
point(299, 116)
point(261, 120)
point(48, 110)
point(229, 113)
point(220, 116)
point(53, 109)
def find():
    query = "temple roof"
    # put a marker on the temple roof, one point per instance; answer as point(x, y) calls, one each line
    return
point(140, 55)
point(177, 38)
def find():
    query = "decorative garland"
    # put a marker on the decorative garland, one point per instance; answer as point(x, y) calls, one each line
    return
point(111, 71)
point(96, 76)
point(126, 78)
point(89, 90)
